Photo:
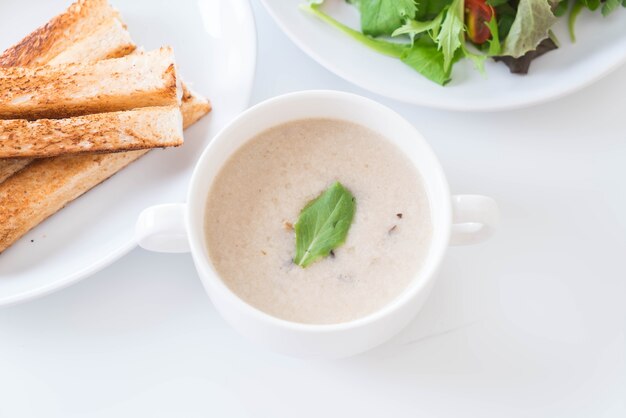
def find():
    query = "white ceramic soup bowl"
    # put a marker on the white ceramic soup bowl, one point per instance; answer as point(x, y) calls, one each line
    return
point(463, 219)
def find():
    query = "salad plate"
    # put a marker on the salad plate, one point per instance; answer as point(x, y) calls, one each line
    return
point(600, 47)
point(215, 46)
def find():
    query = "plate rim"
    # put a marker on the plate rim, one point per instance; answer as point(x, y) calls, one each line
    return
point(119, 252)
point(480, 107)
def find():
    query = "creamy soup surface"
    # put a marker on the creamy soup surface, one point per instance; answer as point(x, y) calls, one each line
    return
point(259, 193)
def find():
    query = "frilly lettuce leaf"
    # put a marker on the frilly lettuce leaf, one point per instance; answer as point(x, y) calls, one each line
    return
point(423, 56)
point(413, 27)
point(531, 25)
point(450, 36)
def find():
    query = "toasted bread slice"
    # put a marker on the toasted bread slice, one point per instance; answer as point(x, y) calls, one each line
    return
point(48, 184)
point(110, 40)
point(193, 107)
point(144, 128)
point(76, 23)
point(137, 80)
point(45, 186)
point(31, 195)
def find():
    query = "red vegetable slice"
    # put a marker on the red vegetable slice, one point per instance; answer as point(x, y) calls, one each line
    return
point(477, 14)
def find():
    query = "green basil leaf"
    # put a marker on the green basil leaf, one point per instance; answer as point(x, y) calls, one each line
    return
point(323, 224)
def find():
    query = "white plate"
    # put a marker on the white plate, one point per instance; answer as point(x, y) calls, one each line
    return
point(600, 48)
point(215, 46)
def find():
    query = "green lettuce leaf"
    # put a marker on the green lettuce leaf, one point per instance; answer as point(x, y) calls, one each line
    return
point(477, 59)
point(387, 48)
point(450, 36)
point(429, 9)
point(426, 58)
point(496, 3)
point(609, 6)
point(495, 47)
point(561, 8)
point(382, 17)
point(532, 22)
point(591, 4)
point(415, 27)
point(505, 15)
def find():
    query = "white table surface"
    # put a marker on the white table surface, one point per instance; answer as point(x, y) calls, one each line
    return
point(530, 324)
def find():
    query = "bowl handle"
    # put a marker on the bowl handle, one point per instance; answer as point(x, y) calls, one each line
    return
point(162, 229)
point(474, 219)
